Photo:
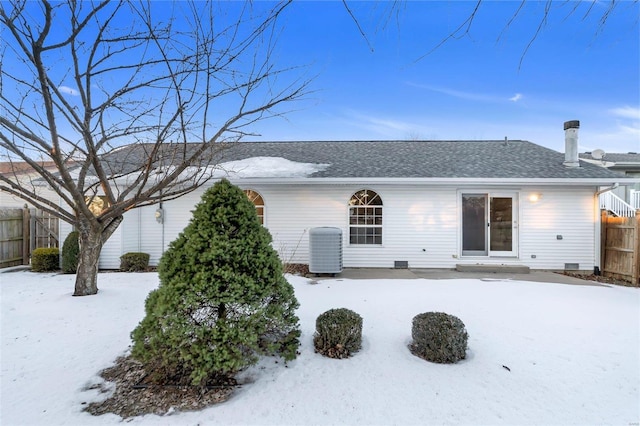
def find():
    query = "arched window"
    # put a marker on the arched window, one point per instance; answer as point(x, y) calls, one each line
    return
point(257, 201)
point(365, 218)
point(97, 204)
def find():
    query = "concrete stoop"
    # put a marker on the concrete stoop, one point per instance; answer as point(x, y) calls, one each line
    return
point(506, 269)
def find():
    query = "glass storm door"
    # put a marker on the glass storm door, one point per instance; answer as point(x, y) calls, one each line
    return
point(488, 225)
point(474, 224)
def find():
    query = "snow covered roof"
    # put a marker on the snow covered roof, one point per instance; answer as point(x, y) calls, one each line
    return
point(384, 159)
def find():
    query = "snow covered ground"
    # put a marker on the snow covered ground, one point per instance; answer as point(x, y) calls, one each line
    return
point(572, 351)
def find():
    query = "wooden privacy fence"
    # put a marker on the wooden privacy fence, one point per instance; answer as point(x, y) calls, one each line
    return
point(620, 257)
point(22, 231)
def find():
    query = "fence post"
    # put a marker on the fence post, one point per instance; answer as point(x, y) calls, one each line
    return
point(33, 230)
point(603, 240)
point(25, 235)
point(634, 198)
point(635, 272)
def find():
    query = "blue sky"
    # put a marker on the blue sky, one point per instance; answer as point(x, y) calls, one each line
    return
point(479, 86)
point(483, 85)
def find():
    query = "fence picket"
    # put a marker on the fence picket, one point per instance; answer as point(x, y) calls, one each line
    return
point(22, 231)
point(621, 247)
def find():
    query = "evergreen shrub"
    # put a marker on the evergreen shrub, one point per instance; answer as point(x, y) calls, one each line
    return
point(134, 262)
point(222, 301)
point(45, 259)
point(438, 337)
point(338, 333)
point(70, 251)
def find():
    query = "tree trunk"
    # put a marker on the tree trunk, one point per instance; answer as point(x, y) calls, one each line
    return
point(90, 243)
point(91, 240)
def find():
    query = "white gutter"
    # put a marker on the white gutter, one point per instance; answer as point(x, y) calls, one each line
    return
point(611, 188)
point(438, 181)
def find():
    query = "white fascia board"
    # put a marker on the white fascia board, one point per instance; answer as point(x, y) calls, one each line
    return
point(439, 181)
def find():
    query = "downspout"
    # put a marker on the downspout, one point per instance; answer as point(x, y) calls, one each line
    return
point(139, 229)
point(597, 270)
point(162, 247)
point(160, 213)
point(611, 188)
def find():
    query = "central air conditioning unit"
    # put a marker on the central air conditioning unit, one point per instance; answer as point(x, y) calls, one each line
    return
point(325, 250)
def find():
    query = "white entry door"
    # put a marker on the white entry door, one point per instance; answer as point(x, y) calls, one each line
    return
point(489, 224)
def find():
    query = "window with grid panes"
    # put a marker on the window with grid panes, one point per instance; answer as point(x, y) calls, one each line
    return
point(97, 204)
point(257, 201)
point(365, 218)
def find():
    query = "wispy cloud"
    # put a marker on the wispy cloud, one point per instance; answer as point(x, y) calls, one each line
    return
point(457, 93)
point(469, 96)
point(626, 112)
point(383, 126)
point(68, 90)
point(377, 126)
point(626, 130)
point(516, 97)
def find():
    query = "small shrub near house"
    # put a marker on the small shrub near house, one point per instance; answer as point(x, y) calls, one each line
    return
point(223, 300)
point(134, 262)
point(338, 333)
point(438, 337)
point(70, 251)
point(45, 259)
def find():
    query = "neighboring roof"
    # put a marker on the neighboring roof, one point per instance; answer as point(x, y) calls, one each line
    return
point(623, 162)
point(8, 168)
point(407, 159)
point(615, 157)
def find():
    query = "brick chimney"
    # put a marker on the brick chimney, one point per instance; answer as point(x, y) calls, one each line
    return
point(571, 143)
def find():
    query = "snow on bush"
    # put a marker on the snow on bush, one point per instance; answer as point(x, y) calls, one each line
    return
point(439, 337)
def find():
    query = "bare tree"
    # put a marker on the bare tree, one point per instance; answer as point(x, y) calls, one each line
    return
point(602, 11)
point(178, 81)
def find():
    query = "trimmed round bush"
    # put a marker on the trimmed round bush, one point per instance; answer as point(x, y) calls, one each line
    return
point(134, 262)
point(338, 333)
point(45, 259)
point(438, 337)
point(70, 251)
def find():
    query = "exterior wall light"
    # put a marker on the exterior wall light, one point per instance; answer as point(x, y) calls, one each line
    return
point(535, 197)
point(159, 215)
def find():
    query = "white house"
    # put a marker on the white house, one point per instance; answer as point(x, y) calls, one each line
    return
point(421, 204)
point(23, 174)
point(625, 163)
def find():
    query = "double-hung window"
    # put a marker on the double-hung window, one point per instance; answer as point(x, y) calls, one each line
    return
point(365, 218)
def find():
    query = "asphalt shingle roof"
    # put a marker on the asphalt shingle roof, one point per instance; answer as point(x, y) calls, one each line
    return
point(615, 157)
point(410, 159)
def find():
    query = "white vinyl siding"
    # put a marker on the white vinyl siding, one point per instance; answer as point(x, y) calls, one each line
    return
point(151, 233)
point(131, 231)
point(421, 225)
point(569, 214)
point(111, 251)
point(292, 210)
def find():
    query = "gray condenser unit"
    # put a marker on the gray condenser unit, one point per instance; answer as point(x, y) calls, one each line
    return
point(325, 250)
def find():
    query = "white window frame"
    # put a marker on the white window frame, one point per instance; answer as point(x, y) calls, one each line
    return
point(253, 195)
point(366, 193)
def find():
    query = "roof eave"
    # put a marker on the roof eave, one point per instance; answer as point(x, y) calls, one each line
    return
point(442, 181)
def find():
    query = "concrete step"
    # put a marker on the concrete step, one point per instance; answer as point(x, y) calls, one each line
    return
point(505, 269)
